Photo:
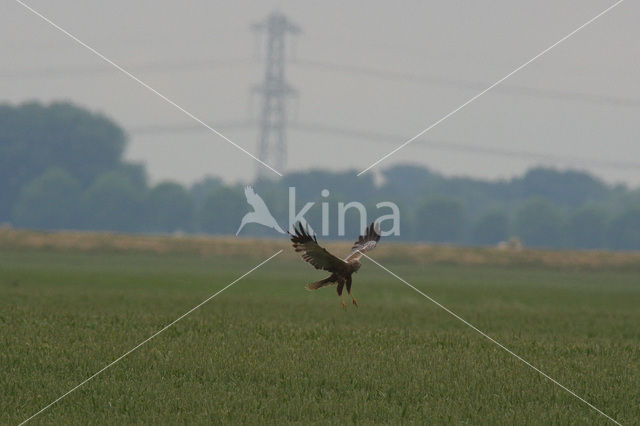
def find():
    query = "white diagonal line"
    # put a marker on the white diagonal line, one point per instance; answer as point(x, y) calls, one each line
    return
point(152, 336)
point(142, 83)
point(491, 339)
point(492, 86)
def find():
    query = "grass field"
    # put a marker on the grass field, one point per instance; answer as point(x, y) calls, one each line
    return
point(268, 351)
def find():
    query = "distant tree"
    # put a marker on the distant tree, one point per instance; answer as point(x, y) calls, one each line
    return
point(35, 137)
point(539, 224)
point(439, 219)
point(586, 228)
point(406, 180)
point(342, 185)
point(115, 203)
point(134, 172)
point(203, 188)
point(171, 208)
point(628, 199)
point(223, 210)
point(86, 148)
point(50, 201)
point(624, 230)
point(571, 188)
point(491, 228)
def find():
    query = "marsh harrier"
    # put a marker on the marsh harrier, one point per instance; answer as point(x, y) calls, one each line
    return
point(320, 258)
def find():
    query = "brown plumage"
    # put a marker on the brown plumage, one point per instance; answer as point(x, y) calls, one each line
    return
point(320, 258)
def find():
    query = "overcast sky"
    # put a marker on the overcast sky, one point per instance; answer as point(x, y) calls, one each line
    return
point(368, 67)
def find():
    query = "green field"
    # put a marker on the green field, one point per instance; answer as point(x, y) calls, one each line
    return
point(268, 351)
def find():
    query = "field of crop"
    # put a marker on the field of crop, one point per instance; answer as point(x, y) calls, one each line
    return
point(268, 351)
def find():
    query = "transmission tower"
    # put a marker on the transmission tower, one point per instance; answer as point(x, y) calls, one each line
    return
point(272, 141)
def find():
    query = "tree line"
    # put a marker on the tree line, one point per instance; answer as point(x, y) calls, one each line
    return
point(62, 167)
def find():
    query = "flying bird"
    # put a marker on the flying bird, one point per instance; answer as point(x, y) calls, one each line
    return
point(260, 213)
point(320, 258)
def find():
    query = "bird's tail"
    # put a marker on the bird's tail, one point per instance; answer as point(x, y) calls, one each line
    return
point(322, 283)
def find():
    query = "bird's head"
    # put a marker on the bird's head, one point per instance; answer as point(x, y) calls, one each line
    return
point(356, 265)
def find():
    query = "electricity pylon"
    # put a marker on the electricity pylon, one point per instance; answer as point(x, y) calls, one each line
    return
point(272, 140)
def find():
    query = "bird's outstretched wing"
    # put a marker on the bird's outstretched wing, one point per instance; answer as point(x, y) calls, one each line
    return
point(365, 243)
point(317, 256)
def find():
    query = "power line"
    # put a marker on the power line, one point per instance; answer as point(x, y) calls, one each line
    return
point(189, 128)
point(389, 75)
point(507, 89)
point(91, 70)
point(378, 137)
point(445, 145)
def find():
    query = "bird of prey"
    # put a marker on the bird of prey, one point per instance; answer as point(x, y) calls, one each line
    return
point(320, 258)
point(260, 213)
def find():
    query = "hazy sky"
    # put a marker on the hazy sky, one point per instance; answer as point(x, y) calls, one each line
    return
point(385, 68)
